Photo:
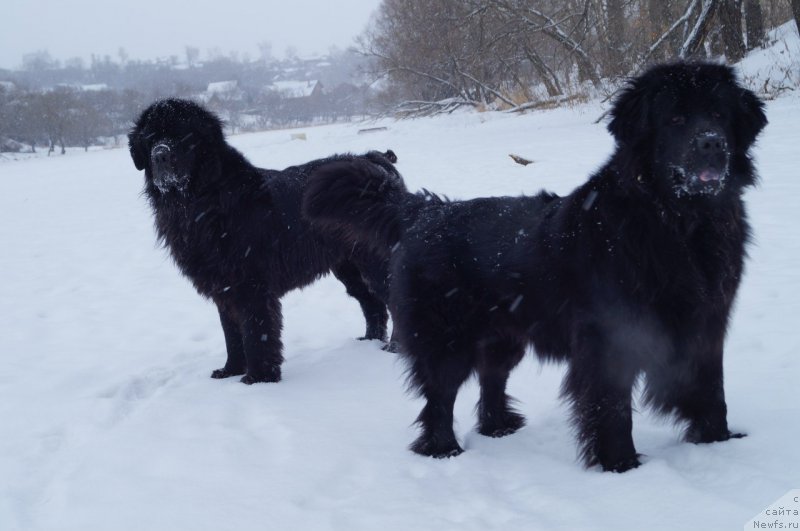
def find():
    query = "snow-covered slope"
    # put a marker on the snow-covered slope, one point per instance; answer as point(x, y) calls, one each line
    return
point(774, 69)
point(108, 418)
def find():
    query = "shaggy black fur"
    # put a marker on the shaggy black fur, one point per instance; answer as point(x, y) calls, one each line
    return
point(236, 232)
point(632, 274)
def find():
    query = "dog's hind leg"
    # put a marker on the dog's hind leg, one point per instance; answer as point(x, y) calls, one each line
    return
point(496, 418)
point(375, 312)
point(438, 372)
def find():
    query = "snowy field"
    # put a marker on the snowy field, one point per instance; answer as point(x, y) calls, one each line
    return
point(110, 421)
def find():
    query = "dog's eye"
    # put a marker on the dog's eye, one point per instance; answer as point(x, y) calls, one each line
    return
point(678, 119)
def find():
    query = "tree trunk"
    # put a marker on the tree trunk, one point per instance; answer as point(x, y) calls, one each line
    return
point(539, 21)
point(697, 36)
point(796, 12)
point(659, 16)
point(754, 20)
point(548, 77)
point(730, 20)
point(615, 22)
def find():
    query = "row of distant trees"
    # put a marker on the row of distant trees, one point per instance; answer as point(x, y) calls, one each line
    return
point(53, 105)
point(63, 116)
point(190, 72)
point(70, 116)
point(518, 53)
point(432, 56)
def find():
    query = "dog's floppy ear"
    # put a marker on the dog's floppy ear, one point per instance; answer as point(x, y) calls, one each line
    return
point(750, 118)
point(630, 113)
point(138, 151)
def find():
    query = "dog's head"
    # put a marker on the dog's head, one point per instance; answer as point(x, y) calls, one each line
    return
point(175, 141)
point(385, 159)
point(689, 126)
point(390, 156)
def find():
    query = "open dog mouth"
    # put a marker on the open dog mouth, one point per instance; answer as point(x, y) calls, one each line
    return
point(709, 175)
point(704, 181)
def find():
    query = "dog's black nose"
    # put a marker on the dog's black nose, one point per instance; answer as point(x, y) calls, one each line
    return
point(710, 143)
point(161, 155)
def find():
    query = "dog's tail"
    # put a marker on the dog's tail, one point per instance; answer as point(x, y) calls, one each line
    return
point(359, 200)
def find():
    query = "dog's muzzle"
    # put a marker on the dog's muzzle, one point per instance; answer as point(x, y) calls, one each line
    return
point(165, 175)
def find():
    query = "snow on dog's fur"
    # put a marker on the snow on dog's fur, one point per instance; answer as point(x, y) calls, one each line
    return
point(236, 232)
point(633, 273)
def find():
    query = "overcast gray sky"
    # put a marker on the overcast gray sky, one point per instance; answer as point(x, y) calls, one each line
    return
point(159, 28)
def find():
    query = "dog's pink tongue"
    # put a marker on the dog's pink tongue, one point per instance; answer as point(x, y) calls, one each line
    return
point(709, 175)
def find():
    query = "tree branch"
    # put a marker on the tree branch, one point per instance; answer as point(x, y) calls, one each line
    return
point(700, 29)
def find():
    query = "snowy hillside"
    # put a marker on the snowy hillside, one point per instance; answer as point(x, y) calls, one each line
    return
point(110, 421)
point(774, 69)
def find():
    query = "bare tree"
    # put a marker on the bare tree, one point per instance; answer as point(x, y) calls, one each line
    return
point(479, 52)
point(702, 25)
point(509, 53)
point(192, 55)
point(662, 27)
point(754, 20)
point(537, 20)
point(38, 61)
point(617, 40)
point(730, 20)
point(796, 12)
point(55, 108)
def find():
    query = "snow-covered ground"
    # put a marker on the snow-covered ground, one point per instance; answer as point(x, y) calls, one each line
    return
point(108, 419)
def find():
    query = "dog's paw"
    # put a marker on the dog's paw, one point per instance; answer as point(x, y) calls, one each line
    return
point(371, 338)
point(374, 333)
point(496, 433)
point(391, 346)
point(430, 447)
point(225, 372)
point(622, 465)
point(509, 423)
point(705, 436)
point(272, 376)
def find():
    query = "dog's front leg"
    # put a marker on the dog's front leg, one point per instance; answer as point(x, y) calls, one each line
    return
point(260, 323)
point(235, 363)
point(599, 383)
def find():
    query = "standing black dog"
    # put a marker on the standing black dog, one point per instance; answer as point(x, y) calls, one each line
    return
point(236, 232)
point(633, 273)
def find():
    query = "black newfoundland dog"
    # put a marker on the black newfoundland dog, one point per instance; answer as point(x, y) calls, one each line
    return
point(632, 274)
point(236, 232)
